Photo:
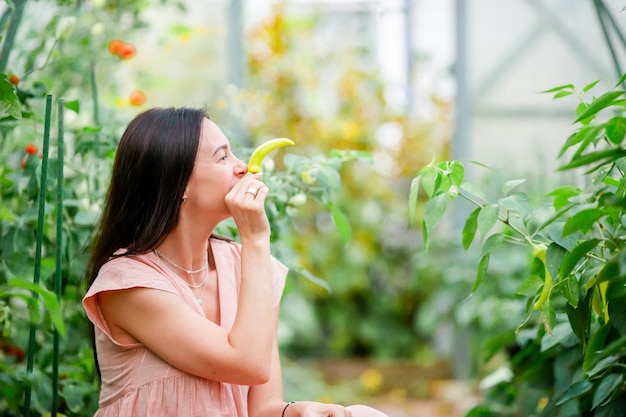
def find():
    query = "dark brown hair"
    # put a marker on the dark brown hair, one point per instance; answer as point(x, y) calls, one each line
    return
point(153, 163)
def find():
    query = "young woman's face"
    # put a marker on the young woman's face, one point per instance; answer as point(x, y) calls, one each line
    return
point(215, 172)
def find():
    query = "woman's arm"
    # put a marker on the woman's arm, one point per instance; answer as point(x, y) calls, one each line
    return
point(266, 400)
point(169, 328)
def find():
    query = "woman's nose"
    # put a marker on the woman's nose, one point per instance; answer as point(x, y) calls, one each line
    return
point(241, 167)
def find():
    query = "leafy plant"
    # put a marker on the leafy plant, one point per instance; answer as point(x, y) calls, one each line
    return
point(567, 357)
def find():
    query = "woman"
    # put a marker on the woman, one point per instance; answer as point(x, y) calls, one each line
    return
point(185, 322)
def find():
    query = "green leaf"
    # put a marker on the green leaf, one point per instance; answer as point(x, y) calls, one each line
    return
point(483, 265)
point(602, 365)
point(616, 130)
point(595, 346)
point(548, 315)
point(470, 227)
point(571, 259)
point(474, 189)
point(494, 344)
point(530, 287)
point(559, 88)
point(580, 319)
point(312, 278)
point(49, 299)
point(511, 185)
point(491, 243)
point(623, 79)
point(611, 270)
point(604, 101)
point(606, 388)
point(429, 177)
point(571, 290)
point(434, 210)
point(72, 105)
point(561, 335)
point(554, 258)
point(457, 173)
point(9, 102)
point(590, 86)
point(562, 94)
point(575, 390)
point(327, 176)
point(86, 218)
point(563, 194)
point(582, 221)
point(517, 203)
point(616, 303)
point(487, 218)
point(605, 155)
point(413, 196)
point(585, 136)
point(341, 221)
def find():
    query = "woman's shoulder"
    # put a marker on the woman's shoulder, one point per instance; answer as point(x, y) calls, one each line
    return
point(128, 271)
point(220, 243)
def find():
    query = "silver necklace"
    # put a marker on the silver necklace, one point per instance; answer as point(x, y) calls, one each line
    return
point(206, 277)
point(188, 271)
point(204, 268)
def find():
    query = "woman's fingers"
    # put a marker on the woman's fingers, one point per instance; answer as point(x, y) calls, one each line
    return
point(246, 203)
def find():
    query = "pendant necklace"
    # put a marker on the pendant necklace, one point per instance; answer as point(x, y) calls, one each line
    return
point(187, 271)
point(206, 277)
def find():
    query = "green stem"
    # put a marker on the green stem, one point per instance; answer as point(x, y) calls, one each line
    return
point(94, 93)
point(46, 61)
point(527, 238)
point(16, 18)
point(503, 220)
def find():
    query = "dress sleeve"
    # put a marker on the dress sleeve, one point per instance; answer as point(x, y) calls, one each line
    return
point(121, 274)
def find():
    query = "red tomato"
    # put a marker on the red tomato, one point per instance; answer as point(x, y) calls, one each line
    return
point(115, 45)
point(31, 149)
point(137, 98)
point(14, 79)
point(126, 51)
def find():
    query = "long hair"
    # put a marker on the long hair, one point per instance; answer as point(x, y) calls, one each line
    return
point(152, 166)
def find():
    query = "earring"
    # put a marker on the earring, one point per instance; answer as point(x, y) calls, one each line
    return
point(183, 200)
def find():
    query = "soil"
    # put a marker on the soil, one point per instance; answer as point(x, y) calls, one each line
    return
point(402, 389)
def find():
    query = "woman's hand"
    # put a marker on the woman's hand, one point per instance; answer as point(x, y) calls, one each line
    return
point(316, 409)
point(246, 203)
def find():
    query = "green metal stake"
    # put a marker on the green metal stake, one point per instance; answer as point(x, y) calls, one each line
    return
point(58, 263)
point(38, 245)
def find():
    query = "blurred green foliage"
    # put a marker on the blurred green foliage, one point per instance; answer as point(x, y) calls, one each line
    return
point(337, 206)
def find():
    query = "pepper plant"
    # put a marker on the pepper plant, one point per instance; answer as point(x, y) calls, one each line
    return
point(568, 356)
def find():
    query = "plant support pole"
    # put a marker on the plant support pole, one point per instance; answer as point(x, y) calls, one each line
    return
point(38, 245)
point(603, 13)
point(59, 254)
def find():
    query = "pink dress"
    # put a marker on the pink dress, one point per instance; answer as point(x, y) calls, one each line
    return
point(137, 383)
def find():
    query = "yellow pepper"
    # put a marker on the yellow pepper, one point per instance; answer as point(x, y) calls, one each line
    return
point(540, 252)
point(254, 165)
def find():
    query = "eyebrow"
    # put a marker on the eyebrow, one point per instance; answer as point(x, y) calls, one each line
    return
point(219, 149)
